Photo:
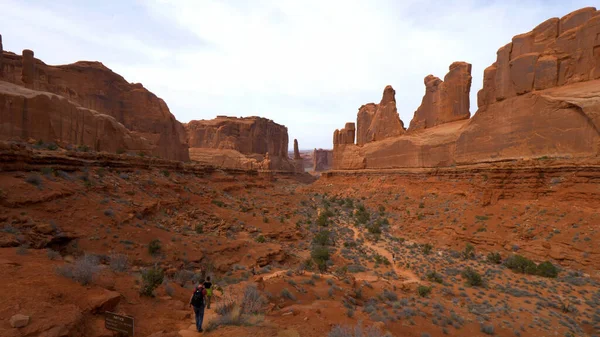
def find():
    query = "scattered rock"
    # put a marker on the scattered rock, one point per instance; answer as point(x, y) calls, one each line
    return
point(19, 321)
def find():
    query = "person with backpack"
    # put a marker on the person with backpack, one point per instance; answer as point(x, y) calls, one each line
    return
point(209, 291)
point(197, 301)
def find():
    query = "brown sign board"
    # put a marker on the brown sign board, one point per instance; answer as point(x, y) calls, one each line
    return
point(119, 323)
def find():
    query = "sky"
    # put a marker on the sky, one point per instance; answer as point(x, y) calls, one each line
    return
point(306, 64)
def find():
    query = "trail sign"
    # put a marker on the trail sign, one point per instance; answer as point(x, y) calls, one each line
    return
point(119, 323)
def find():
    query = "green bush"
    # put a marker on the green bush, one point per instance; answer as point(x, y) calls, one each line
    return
point(151, 279)
point(547, 269)
point(199, 228)
point(381, 259)
point(154, 247)
point(521, 264)
point(494, 258)
point(426, 248)
point(217, 202)
point(472, 277)
point(424, 291)
point(323, 219)
point(260, 239)
point(374, 228)
point(320, 255)
point(435, 277)
point(362, 215)
point(322, 238)
point(469, 252)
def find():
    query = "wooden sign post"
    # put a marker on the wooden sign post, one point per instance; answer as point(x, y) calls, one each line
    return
point(119, 323)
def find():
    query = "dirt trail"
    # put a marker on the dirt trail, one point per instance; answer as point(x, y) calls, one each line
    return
point(409, 276)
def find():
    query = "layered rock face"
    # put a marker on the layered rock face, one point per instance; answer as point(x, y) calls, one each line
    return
point(252, 137)
point(322, 160)
point(93, 86)
point(445, 101)
point(540, 98)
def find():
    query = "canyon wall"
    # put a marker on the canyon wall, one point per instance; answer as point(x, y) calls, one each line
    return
point(541, 98)
point(248, 139)
point(92, 87)
point(322, 160)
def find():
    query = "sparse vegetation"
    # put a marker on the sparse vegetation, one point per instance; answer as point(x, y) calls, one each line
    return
point(151, 279)
point(472, 277)
point(423, 291)
point(494, 258)
point(154, 247)
point(83, 270)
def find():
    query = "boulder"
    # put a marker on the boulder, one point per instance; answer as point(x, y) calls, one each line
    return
point(444, 101)
point(19, 321)
point(105, 301)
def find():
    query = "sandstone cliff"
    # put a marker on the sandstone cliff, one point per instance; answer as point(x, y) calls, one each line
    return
point(93, 86)
point(445, 101)
point(541, 98)
point(251, 137)
point(379, 121)
point(322, 160)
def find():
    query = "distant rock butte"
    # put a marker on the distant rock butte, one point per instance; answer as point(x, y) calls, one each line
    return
point(89, 105)
point(322, 160)
point(247, 140)
point(444, 101)
point(540, 98)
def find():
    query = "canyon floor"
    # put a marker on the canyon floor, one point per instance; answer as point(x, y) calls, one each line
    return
point(456, 252)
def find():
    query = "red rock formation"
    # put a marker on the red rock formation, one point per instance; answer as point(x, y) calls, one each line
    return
point(379, 121)
point(253, 137)
point(95, 87)
point(27, 114)
point(444, 101)
point(540, 98)
point(345, 135)
point(322, 160)
point(296, 150)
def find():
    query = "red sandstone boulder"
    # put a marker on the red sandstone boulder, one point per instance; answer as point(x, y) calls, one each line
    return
point(445, 101)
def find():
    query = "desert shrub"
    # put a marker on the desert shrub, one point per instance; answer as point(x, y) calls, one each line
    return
point(184, 276)
point(165, 173)
point(169, 289)
point(320, 256)
point(109, 212)
point(362, 215)
point(265, 219)
point(520, 264)
point(424, 291)
point(218, 203)
point(472, 277)
point(83, 270)
point(260, 239)
point(426, 248)
point(349, 203)
point(119, 262)
point(34, 179)
point(381, 259)
point(494, 258)
point(435, 277)
point(355, 331)
point(469, 252)
point(154, 247)
point(356, 268)
point(253, 301)
point(286, 293)
point(22, 249)
point(390, 295)
point(322, 238)
point(199, 228)
point(151, 279)
point(374, 228)
point(487, 329)
point(547, 269)
point(52, 254)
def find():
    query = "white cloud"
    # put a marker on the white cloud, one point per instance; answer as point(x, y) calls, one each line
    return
point(306, 64)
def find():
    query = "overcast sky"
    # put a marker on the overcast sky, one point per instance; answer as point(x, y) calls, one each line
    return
point(307, 64)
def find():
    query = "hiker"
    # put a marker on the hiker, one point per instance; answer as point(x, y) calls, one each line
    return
point(197, 301)
point(209, 291)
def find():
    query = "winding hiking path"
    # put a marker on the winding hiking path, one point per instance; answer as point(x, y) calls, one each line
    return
point(408, 275)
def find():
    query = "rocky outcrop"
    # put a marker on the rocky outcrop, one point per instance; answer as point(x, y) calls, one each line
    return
point(298, 160)
point(296, 150)
point(444, 101)
point(557, 52)
point(29, 114)
point(322, 160)
point(93, 86)
point(379, 121)
point(251, 137)
point(541, 98)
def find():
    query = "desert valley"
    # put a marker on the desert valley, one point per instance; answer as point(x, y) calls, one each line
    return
point(453, 224)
